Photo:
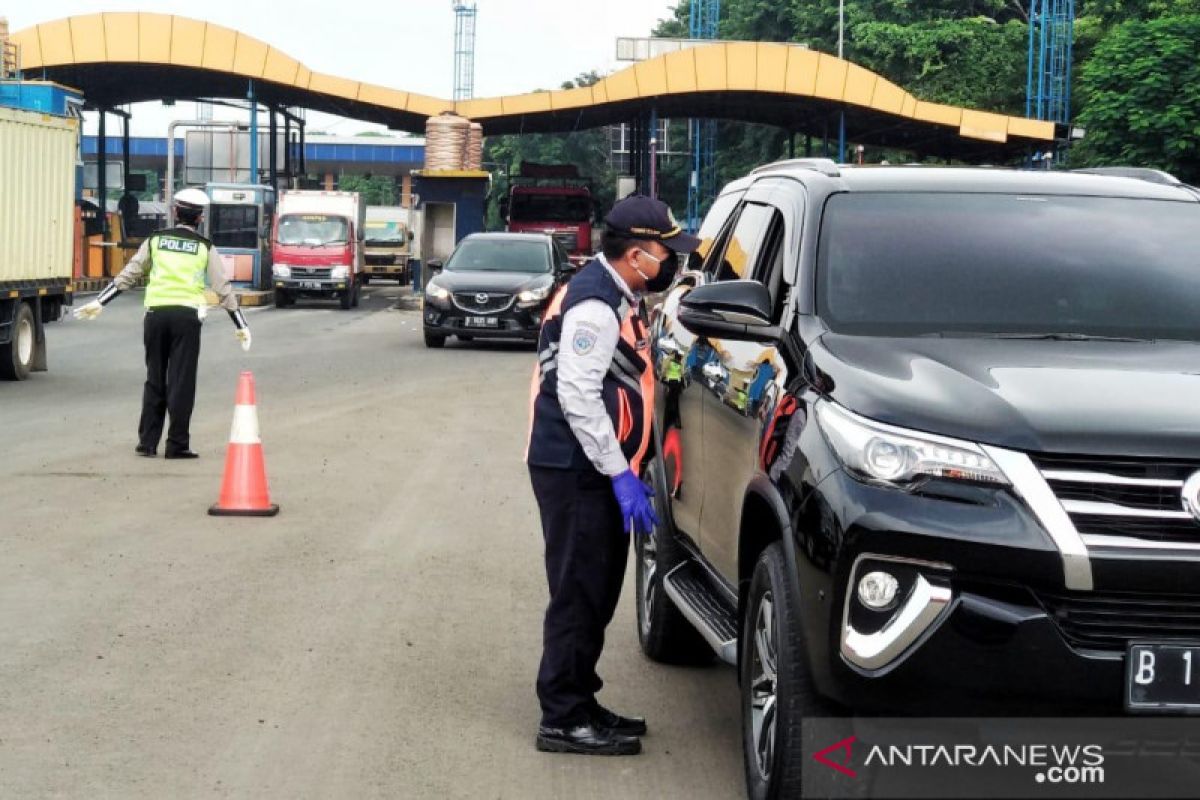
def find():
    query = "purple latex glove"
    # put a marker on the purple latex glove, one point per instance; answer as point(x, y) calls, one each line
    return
point(637, 512)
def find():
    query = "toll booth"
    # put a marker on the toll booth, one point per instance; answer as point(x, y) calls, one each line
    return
point(452, 206)
point(239, 222)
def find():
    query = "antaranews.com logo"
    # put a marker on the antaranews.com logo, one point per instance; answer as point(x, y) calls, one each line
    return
point(1046, 763)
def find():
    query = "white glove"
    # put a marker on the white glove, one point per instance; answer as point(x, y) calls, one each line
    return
point(201, 312)
point(243, 335)
point(89, 311)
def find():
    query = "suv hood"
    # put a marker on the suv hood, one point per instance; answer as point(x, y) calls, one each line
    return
point(508, 282)
point(1086, 398)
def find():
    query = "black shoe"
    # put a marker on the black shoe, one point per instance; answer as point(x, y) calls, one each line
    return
point(181, 454)
point(587, 740)
point(612, 721)
point(145, 452)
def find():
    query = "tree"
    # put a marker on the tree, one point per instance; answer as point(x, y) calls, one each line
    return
point(376, 190)
point(1141, 97)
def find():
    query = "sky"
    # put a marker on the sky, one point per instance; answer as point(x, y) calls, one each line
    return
point(521, 45)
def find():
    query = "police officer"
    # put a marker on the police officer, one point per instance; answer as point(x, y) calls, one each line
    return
point(177, 260)
point(593, 397)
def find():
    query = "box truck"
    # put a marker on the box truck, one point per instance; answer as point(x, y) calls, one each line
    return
point(317, 246)
point(37, 225)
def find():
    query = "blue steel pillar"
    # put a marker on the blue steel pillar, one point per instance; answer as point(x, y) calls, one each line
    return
point(253, 134)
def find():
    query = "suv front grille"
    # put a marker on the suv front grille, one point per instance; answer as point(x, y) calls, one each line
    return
point(1098, 621)
point(1110, 500)
point(482, 302)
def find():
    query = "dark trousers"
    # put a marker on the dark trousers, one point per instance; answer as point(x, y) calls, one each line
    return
point(172, 337)
point(586, 551)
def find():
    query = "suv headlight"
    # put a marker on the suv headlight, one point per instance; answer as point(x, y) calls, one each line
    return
point(340, 272)
point(436, 294)
point(531, 297)
point(885, 454)
point(281, 270)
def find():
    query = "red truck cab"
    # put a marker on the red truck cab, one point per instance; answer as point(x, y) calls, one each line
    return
point(552, 199)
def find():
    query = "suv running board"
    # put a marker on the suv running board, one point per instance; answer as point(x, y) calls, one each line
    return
point(708, 611)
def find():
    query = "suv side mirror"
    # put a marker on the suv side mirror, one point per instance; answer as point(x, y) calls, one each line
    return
point(729, 310)
point(435, 265)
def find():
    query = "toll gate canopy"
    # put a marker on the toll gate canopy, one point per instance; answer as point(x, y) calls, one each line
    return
point(118, 58)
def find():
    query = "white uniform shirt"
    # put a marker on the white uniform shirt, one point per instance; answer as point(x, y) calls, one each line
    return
point(590, 332)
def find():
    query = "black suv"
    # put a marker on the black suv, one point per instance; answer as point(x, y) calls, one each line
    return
point(929, 443)
point(495, 286)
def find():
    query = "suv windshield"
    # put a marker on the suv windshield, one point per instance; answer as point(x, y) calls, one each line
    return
point(498, 255)
point(312, 229)
point(549, 208)
point(908, 264)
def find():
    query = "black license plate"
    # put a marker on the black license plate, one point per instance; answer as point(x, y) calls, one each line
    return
point(1163, 677)
point(481, 322)
point(310, 284)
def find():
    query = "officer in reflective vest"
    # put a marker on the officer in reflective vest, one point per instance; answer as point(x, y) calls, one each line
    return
point(592, 401)
point(177, 260)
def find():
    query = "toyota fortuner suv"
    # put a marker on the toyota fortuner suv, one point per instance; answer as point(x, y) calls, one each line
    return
point(929, 444)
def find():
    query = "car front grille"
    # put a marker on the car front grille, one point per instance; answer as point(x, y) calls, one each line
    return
point(319, 273)
point(1110, 621)
point(1124, 501)
point(482, 302)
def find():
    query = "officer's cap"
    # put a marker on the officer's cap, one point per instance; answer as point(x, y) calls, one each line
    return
point(641, 217)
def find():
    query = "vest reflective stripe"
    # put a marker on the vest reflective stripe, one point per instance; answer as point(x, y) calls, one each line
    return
point(178, 266)
point(628, 389)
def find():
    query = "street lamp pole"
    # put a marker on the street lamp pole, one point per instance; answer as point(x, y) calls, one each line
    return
point(841, 54)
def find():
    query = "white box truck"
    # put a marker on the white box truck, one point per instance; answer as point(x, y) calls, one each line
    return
point(317, 246)
point(37, 225)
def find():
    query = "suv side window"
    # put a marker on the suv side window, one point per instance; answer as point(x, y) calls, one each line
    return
point(714, 222)
point(768, 270)
point(736, 260)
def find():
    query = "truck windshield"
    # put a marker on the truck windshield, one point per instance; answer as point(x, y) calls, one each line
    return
point(386, 233)
point(498, 255)
point(526, 207)
point(312, 229)
point(907, 264)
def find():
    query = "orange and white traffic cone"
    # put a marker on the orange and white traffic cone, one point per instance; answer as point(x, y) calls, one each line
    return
point(244, 490)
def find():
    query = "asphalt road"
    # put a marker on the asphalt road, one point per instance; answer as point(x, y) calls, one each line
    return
point(379, 638)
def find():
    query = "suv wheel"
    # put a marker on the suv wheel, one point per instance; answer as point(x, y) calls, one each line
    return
point(433, 340)
point(777, 691)
point(664, 633)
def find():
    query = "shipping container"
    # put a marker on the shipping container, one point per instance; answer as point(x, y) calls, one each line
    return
point(37, 221)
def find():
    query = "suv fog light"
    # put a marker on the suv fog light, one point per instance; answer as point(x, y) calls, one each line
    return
point(877, 590)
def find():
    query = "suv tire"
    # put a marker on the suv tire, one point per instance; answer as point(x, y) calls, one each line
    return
point(434, 341)
point(777, 690)
point(664, 633)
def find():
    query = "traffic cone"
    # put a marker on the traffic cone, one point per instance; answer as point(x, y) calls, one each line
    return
point(244, 490)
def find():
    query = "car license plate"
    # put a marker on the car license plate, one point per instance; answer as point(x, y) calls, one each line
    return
point(310, 284)
point(482, 322)
point(1163, 677)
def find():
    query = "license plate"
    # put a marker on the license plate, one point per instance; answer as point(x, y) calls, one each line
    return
point(482, 322)
point(310, 284)
point(1163, 677)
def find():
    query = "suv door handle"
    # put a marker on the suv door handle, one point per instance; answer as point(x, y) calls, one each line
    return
point(714, 372)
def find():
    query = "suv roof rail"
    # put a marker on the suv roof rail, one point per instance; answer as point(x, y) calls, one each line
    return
point(826, 166)
point(1140, 173)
